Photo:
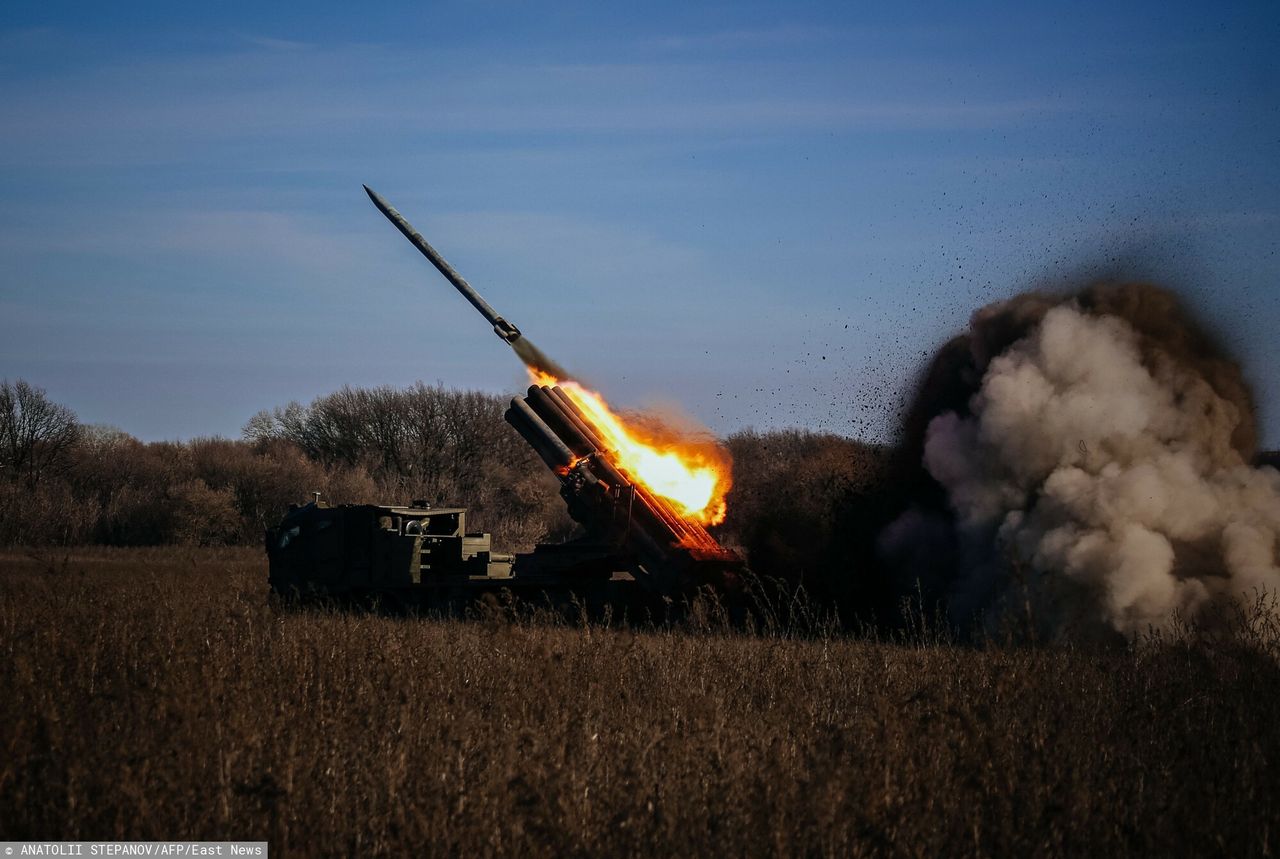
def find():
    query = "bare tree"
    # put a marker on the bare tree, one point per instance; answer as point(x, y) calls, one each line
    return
point(36, 434)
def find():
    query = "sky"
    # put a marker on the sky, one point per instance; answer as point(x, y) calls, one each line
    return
point(765, 215)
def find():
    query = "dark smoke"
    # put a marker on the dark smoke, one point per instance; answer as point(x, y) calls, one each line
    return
point(1089, 455)
point(535, 359)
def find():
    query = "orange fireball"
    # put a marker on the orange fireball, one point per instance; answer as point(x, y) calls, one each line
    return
point(694, 476)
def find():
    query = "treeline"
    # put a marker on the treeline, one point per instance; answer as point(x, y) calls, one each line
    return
point(65, 483)
point(62, 482)
point(801, 501)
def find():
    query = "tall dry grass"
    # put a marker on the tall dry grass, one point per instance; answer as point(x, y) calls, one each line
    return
point(153, 694)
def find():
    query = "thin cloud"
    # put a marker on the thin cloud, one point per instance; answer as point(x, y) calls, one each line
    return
point(257, 238)
point(268, 43)
point(755, 39)
point(786, 36)
point(166, 110)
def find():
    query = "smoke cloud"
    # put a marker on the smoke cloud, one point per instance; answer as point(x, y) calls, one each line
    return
point(1095, 455)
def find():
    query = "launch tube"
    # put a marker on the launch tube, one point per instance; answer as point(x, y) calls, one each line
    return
point(557, 418)
point(535, 431)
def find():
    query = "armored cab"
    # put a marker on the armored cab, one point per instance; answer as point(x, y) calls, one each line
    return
point(399, 553)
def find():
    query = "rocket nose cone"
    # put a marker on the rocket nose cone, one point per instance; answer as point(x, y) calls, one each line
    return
point(373, 195)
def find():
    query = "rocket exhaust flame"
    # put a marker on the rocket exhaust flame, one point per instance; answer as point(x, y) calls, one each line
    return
point(694, 477)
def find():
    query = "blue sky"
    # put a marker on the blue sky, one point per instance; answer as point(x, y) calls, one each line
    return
point(767, 214)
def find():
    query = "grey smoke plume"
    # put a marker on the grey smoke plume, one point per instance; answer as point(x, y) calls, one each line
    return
point(1101, 466)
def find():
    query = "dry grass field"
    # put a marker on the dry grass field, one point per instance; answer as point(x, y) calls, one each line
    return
point(153, 694)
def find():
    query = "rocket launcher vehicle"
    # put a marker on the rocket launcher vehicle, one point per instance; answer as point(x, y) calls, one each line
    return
point(627, 528)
